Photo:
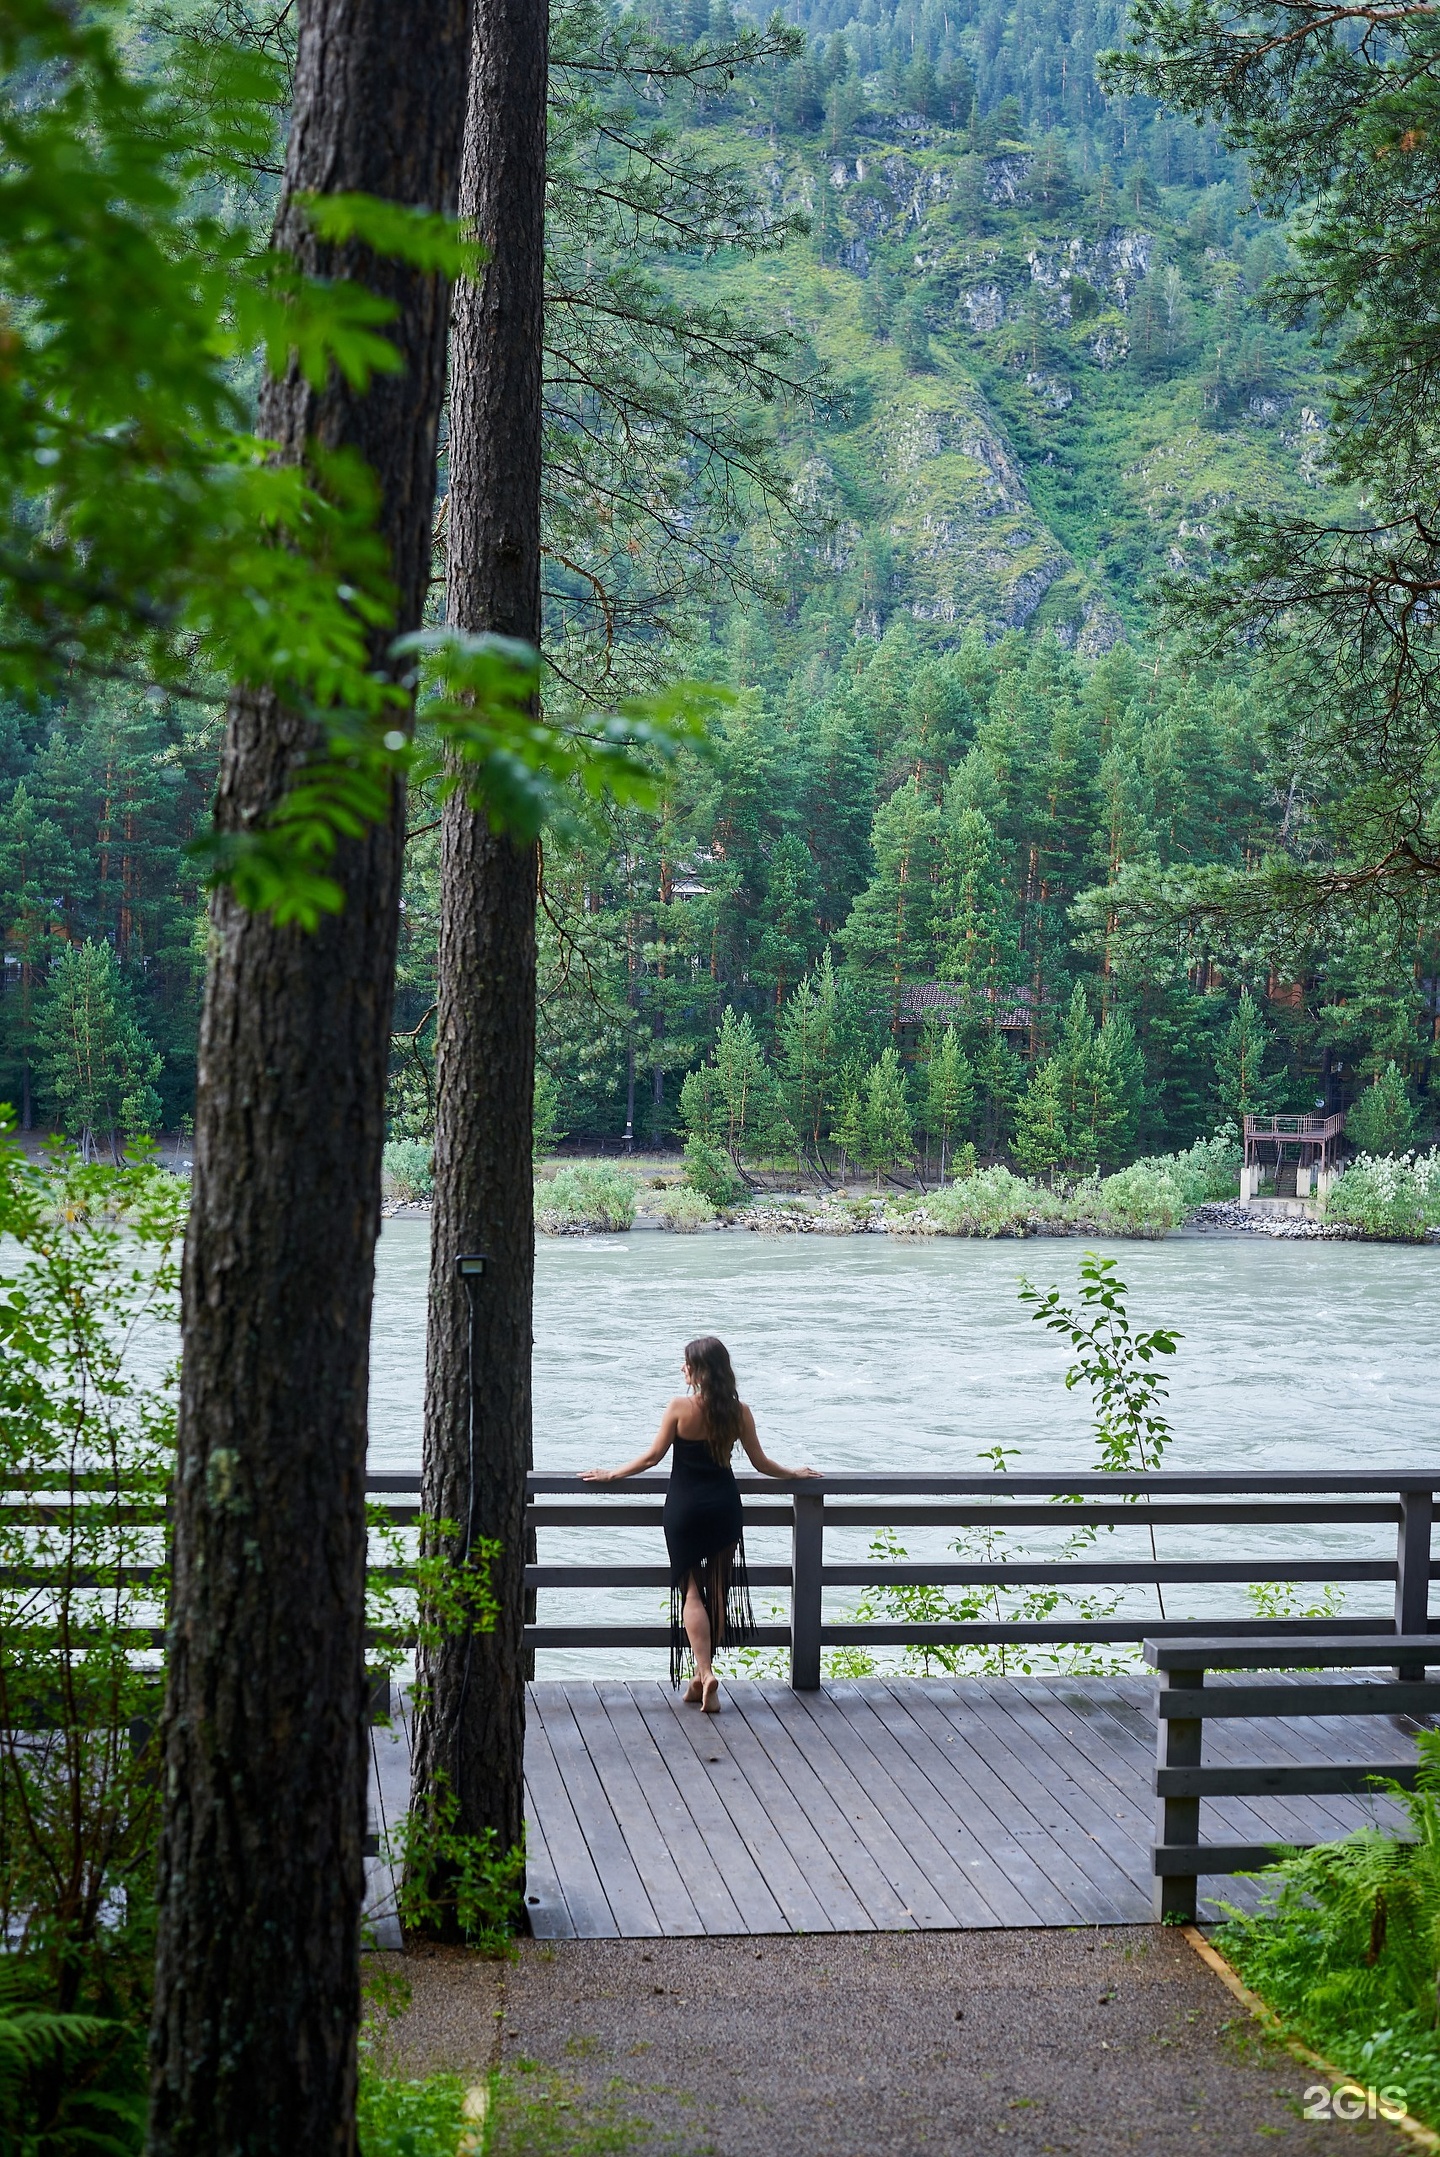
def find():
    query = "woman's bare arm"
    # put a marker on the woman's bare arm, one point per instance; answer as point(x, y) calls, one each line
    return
point(759, 1458)
point(655, 1453)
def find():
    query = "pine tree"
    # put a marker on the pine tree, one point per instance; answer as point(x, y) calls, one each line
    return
point(808, 1046)
point(887, 1126)
point(1241, 1086)
point(1382, 1120)
point(1042, 1140)
point(949, 1093)
point(1074, 1077)
point(999, 1077)
point(733, 1101)
point(888, 936)
point(34, 861)
point(95, 1064)
point(975, 938)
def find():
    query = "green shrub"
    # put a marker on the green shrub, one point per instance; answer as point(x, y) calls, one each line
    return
point(710, 1171)
point(591, 1195)
point(408, 1173)
point(400, 2118)
point(522, 2111)
point(1145, 1199)
point(1208, 1169)
point(1396, 1197)
point(684, 1210)
point(992, 1202)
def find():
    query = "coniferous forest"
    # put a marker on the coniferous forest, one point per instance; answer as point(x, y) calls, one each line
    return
point(892, 369)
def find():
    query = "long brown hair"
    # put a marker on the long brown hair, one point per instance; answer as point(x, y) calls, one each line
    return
point(708, 1362)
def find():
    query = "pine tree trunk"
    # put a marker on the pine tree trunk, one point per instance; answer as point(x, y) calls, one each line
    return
point(261, 1872)
point(470, 1726)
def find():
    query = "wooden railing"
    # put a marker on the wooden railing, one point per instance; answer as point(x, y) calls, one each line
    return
point(1186, 1703)
point(811, 1510)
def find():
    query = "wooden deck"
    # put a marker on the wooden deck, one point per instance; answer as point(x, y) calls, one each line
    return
point(874, 1805)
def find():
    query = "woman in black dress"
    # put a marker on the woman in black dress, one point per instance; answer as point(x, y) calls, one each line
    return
point(704, 1526)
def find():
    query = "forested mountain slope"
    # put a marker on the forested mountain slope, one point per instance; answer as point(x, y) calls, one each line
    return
point(1040, 314)
point(1028, 372)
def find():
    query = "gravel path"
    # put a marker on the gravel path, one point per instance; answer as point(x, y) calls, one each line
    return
point(894, 2045)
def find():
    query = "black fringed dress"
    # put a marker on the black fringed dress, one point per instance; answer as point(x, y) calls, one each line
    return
point(704, 1534)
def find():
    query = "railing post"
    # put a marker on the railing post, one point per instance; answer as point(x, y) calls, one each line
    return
point(1412, 1573)
point(1178, 1744)
point(807, 1557)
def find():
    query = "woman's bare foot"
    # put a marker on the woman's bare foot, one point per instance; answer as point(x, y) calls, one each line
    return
point(710, 1697)
point(694, 1692)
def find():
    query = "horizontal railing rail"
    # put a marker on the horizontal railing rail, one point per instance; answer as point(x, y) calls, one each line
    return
point(1273, 1504)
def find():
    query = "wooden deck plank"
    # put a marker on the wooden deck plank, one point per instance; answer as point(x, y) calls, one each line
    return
point(988, 1810)
point(766, 1887)
point(899, 1792)
point(939, 1794)
point(645, 1838)
point(877, 1804)
point(604, 1837)
point(854, 1892)
point(550, 1801)
point(1114, 1815)
point(707, 1876)
point(545, 1905)
point(889, 1832)
point(714, 1778)
point(1069, 1826)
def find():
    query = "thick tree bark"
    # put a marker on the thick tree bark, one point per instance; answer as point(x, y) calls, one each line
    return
point(471, 1722)
point(261, 1872)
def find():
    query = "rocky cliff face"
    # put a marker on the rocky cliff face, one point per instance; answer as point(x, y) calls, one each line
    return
point(1054, 394)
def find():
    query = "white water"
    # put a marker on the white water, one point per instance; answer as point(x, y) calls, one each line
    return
point(858, 1353)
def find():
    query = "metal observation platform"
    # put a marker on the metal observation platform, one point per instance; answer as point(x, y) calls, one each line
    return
point(849, 1804)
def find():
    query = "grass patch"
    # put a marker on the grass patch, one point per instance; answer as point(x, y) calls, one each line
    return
point(523, 2111)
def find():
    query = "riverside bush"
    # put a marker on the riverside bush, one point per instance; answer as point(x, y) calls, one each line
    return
point(1396, 1197)
point(1146, 1199)
point(408, 1173)
point(710, 1171)
point(591, 1195)
point(992, 1202)
point(1208, 1169)
point(684, 1210)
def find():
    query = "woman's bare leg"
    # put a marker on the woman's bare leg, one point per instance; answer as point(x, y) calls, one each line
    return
point(697, 1632)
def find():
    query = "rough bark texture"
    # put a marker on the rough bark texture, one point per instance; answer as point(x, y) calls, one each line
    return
point(261, 1873)
point(471, 1723)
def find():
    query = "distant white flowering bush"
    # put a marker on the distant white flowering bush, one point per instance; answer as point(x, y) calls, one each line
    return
point(1390, 1195)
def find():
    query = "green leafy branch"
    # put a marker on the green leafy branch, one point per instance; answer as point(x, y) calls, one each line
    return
point(1118, 1364)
